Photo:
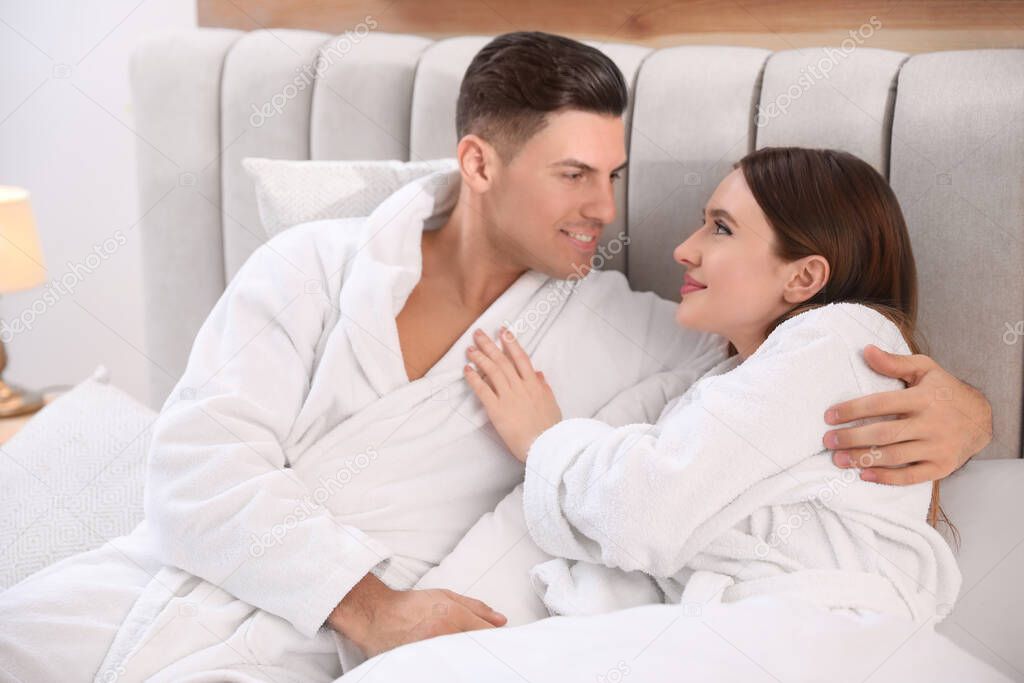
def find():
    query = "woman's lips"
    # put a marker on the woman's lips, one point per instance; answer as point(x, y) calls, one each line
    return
point(690, 285)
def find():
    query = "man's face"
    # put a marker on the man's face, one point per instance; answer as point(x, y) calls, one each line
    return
point(546, 208)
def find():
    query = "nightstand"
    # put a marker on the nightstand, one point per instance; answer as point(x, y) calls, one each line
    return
point(9, 426)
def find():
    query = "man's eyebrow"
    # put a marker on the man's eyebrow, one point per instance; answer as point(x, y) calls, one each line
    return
point(576, 163)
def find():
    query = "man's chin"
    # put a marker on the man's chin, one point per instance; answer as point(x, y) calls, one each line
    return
point(572, 271)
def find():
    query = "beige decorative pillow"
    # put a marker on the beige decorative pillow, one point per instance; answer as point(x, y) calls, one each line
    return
point(72, 477)
point(293, 192)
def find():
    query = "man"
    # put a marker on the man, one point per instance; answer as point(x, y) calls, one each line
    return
point(321, 451)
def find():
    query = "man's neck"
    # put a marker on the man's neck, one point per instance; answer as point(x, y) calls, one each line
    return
point(460, 255)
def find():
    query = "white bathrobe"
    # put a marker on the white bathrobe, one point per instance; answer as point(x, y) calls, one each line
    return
point(294, 455)
point(732, 495)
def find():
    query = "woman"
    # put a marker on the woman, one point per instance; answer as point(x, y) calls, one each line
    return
point(803, 258)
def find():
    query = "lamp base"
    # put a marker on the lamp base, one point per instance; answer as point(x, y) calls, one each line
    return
point(17, 401)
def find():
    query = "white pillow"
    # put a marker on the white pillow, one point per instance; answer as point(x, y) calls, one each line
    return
point(72, 477)
point(293, 192)
point(492, 562)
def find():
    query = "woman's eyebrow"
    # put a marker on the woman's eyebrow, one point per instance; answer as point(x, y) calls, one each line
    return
point(721, 213)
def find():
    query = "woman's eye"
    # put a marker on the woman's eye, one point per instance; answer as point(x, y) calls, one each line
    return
point(719, 226)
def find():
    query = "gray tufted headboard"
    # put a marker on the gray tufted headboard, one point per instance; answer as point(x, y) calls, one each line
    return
point(947, 128)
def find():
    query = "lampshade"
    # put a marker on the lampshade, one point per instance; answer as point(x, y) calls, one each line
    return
point(21, 259)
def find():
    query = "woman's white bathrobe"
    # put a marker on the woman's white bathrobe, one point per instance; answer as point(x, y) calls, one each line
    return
point(294, 455)
point(731, 493)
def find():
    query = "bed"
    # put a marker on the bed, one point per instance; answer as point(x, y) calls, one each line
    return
point(945, 128)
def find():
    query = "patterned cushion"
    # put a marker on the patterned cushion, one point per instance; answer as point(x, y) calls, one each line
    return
point(293, 192)
point(72, 477)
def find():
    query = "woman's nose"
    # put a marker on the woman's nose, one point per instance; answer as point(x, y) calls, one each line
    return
point(685, 253)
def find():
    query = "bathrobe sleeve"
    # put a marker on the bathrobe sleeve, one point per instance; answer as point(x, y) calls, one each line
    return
point(219, 495)
point(639, 328)
point(631, 497)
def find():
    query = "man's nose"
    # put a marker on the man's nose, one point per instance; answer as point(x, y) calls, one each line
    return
point(601, 206)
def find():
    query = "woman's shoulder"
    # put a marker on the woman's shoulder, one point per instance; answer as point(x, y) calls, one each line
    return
point(855, 324)
point(723, 367)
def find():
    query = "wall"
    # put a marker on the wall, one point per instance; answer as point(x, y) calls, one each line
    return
point(66, 135)
point(910, 25)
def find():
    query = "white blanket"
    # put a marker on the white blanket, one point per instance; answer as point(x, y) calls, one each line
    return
point(761, 640)
point(731, 493)
point(294, 455)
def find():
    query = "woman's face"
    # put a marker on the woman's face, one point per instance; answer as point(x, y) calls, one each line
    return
point(735, 284)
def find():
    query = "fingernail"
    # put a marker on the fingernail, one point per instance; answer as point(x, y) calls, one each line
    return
point(842, 459)
point(869, 475)
point(471, 349)
point(831, 440)
point(831, 416)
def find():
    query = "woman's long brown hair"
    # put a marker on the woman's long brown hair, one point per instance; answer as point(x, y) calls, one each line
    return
point(831, 203)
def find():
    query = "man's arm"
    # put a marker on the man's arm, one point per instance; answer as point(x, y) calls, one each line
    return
point(941, 423)
point(220, 496)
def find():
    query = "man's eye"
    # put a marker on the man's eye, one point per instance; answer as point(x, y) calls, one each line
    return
point(616, 176)
point(573, 176)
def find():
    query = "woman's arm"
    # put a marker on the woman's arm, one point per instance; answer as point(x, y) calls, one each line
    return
point(632, 497)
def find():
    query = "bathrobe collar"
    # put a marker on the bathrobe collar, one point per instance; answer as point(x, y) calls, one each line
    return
point(387, 266)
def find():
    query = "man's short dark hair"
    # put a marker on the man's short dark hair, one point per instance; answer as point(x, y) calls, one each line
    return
point(518, 78)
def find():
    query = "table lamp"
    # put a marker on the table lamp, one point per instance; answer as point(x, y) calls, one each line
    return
point(21, 267)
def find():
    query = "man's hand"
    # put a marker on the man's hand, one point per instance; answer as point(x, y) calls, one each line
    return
point(377, 618)
point(941, 422)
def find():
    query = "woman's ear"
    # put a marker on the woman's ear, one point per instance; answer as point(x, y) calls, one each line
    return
point(808, 277)
point(476, 159)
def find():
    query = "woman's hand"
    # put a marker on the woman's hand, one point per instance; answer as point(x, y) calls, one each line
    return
point(517, 398)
